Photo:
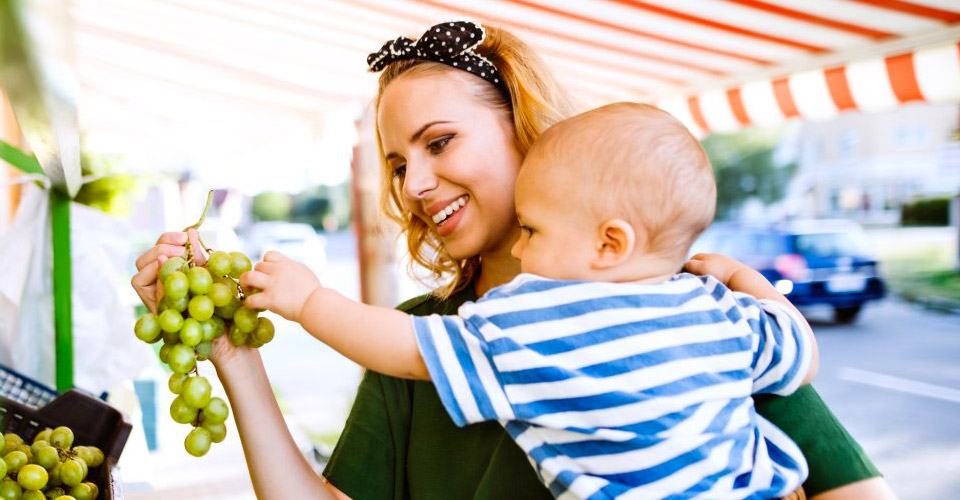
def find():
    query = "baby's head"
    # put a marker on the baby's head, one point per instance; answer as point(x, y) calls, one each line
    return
point(618, 193)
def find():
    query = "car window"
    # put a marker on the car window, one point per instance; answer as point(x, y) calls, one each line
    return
point(829, 244)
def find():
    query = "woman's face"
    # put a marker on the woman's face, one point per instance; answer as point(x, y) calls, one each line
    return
point(454, 158)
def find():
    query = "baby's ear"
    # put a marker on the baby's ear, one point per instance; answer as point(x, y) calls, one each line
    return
point(616, 240)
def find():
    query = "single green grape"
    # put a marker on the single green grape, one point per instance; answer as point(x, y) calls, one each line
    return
point(201, 308)
point(47, 457)
point(218, 432)
point(212, 328)
point(3, 468)
point(56, 492)
point(172, 265)
point(32, 477)
point(239, 264)
point(220, 294)
point(147, 328)
point(171, 337)
point(72, 472)
point(10, 490)
point(55, 475)
point(171, 321)
point(175, 384)
point(245, 320)
point(216, 411)
point(26, 451)
point(83, 491)
point(97, 455)
point(33, 495)
point(176, 285)
point(200, 280)
point(182, 358)
point(196, 392)
point(43, 435)
point(35, 447)
point(227, 311)
point(15, 460)
point(238, 337)
point(264, 331)
point(178, 305)
point(197, 442)
point(61, 437)
point(164, 353)
point(218, 263)
point(192, 332)
point(181, 412)
point(11, 442)
point(204, 349)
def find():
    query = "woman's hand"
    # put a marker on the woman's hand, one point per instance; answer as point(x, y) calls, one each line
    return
point(148, 265)
point(719, 266)
point(285, 285)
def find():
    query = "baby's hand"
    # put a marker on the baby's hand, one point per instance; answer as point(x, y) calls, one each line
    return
point(285, 285)
point(719, 266)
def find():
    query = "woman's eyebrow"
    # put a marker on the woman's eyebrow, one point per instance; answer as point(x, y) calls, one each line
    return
point(416, 135)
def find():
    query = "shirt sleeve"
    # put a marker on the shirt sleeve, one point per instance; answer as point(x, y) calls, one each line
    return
point(782, 352)
point(458, 359)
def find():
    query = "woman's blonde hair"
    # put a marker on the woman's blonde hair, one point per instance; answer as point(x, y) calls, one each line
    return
point(535, 102)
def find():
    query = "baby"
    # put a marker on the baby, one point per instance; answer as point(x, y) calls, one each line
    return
point(619, 375)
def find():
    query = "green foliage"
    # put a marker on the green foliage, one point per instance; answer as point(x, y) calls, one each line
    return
point(108, 190)
point(926, 212)
point(744, 166)
point(271, 205)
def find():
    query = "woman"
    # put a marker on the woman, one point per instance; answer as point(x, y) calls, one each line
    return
point(449, 133)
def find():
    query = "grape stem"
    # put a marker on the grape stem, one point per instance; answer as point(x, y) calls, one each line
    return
point(196, 227)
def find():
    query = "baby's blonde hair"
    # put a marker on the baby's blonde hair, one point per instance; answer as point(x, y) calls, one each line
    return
point(634, 162)
point(535, 102)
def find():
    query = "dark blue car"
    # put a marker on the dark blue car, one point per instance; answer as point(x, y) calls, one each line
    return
point(810, 262)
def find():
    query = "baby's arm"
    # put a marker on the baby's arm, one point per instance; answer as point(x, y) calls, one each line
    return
point(378, 338)
point(742, 278)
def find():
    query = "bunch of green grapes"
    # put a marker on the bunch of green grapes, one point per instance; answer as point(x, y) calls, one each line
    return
point(201, 303)
point(49, 469)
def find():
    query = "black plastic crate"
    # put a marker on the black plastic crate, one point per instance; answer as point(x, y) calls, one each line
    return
point(92, 421)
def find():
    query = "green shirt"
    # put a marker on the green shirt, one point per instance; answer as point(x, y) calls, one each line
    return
point(399, 443)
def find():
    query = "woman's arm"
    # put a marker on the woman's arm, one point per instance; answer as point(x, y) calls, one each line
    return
point(875, 488)
point(277, 467)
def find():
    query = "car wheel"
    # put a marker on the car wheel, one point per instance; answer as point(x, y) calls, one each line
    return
point(846, 315)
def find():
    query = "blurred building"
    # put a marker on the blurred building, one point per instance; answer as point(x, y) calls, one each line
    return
point(863, 166)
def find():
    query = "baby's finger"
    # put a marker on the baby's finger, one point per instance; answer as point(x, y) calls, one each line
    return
point(254, 279)
point(273, 256)
point(265, 267)
point(694, 266)
point(256, 301)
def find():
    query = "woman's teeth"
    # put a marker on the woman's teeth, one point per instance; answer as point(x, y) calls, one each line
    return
point(442, 215)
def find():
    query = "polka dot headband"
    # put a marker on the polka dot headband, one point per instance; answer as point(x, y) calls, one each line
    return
point(450, 43)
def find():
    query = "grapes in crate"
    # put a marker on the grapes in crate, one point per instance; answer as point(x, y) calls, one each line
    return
point(200, 303)
point(51, 466)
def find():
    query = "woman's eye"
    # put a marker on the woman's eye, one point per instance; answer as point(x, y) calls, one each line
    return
point(399, 171)
point(527, 230)
point(437, 145)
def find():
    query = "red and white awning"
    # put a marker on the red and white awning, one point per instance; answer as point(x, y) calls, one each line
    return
point(232, 79)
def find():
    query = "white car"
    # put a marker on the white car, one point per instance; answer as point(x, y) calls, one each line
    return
point(297, 241)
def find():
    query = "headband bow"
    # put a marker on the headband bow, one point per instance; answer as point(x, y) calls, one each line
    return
point(450, 43)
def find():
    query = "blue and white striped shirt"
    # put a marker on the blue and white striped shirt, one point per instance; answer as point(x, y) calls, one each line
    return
point(626, 390)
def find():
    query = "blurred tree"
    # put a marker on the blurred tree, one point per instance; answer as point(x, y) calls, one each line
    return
point(272, 205)
point(745, 167)
point(106, 189)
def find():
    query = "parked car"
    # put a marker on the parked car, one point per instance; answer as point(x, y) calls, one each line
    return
point(296, 240)
point(810, 262)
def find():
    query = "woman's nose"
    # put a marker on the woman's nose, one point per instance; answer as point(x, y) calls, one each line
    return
point(418, 182)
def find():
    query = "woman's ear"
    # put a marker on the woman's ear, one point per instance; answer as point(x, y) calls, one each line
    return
point(616, 241)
